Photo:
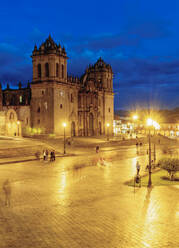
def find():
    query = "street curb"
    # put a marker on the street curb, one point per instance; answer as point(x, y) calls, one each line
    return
point(34, 159)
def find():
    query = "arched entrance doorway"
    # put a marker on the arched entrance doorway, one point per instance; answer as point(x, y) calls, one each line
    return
point(91, 124)
point(73, 129)
point(13, 126)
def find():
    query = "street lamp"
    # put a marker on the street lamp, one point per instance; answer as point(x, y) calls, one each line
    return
point(135, 117)
point(18, 123)
point(149, 123)
point(107, 131)
point(64, 125)
point(156, 127)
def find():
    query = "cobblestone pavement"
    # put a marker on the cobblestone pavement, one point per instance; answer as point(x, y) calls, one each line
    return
point(53, 206)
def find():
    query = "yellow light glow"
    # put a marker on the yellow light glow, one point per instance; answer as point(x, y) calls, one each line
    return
point(149, 122)
point(156, 125)
point(107, 124)
point(135, 117)
point(153, 123)
point(18, 122)
point(64, 124)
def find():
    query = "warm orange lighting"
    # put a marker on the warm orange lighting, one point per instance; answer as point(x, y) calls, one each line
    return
point(18, 122)
point(107, 124)
point(156, 125)
point(149, 122)
point(135, 117)
point(153, 123)
point(64, 124)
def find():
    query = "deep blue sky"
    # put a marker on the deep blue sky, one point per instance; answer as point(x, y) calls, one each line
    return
point(139, 38)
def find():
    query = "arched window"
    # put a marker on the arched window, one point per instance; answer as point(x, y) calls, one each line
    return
point(62, 71)
point(57, 69)
point(20, 99)
point(39, 70)
point(47, 70)
point(11, 117)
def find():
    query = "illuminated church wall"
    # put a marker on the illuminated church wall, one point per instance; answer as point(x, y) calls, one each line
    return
point(85, 104)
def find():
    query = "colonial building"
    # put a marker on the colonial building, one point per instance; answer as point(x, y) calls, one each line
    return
point(85, 104)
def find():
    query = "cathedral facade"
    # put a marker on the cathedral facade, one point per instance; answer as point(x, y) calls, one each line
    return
point(85, 105)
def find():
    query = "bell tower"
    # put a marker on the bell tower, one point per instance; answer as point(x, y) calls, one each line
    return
point(49, 78)
point(49, 62)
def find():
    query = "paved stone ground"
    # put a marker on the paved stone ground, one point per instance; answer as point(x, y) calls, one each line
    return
point(55, 206)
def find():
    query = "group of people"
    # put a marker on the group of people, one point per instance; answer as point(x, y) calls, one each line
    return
point(138, 166)
point(46, 153)
point(138, 144)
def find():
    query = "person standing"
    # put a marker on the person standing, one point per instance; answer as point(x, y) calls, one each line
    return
point(7, 192)
point(97, 149)
point(138, 167)
point(44, 155)
point(53, 155)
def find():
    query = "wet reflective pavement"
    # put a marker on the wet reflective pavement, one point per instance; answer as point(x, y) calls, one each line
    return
point(53, 205)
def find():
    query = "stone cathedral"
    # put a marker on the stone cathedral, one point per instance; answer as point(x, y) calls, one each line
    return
point(85, 104)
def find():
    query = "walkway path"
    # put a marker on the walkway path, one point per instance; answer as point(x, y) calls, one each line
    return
point(53, 205)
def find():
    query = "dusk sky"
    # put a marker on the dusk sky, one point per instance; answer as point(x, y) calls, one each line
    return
point(140, 39)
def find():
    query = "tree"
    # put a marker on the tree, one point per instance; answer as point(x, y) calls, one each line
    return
point(171, 165)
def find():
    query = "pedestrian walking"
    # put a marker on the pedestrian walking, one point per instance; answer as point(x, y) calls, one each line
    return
point(44, 155)
point(53, 155)
point(138, 167)
point(97, 149)
point(7, 192)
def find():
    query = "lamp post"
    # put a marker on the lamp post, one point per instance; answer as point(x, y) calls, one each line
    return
point(156, 126)
point(107, 131)
point(18, 123)
point(154, 148)
point(135, 117)
point(149, 123)
point(64, 125)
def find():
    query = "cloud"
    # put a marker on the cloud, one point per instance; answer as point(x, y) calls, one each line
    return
point(13, 65)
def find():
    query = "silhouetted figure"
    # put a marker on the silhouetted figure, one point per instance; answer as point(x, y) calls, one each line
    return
point(97, 149)
point(46, 157)
point(138, 167)
point(52, 155)
point(7, 192)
